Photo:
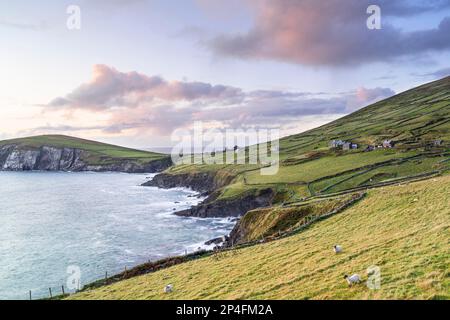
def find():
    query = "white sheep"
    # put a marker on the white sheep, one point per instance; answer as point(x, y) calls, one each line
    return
point(168, 288)
point(354, 279)
point(337, 249)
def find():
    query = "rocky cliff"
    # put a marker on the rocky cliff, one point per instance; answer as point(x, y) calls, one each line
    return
point(211, 183)
point(47, 158)
point(204, 182)
point(235, 207)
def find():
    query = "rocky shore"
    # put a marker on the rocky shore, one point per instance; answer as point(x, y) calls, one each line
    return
point(209, 184)
point(46, 158)
point(236, 207)
point(203, 182)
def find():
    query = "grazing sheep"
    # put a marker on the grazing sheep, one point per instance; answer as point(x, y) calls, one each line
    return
point(337, 249)
point(354, 279)
point(168, 288)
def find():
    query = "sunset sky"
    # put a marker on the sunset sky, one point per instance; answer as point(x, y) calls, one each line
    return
point(137, 69)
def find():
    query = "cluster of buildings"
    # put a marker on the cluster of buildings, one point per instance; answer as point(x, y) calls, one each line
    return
point(348, 145)
point(343, 145)
point(386, 144)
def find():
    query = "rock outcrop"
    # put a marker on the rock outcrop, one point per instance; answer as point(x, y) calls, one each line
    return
point(204, 182)
point(210, 183)
point(235, 207)
point(47, 158)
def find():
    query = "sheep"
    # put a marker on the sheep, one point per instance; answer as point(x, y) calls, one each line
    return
point(168, 288)
point(354, 279)
point(337, 249)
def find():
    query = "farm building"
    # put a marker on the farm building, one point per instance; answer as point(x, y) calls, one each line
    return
point(336, 144)
point(344, 145)
point(388, 144)
point(349, 146)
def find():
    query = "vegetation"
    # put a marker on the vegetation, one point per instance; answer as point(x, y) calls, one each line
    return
point(403, 229)
point(400, 226)
point(413, 120)
point(267, 223)
point(98, 153)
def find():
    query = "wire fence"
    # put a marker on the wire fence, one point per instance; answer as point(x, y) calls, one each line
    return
point(64, 290)
point(108, 277)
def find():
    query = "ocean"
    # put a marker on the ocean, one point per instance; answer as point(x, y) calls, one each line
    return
point(58, 226)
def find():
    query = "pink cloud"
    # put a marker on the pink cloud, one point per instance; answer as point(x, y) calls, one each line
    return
point(133, 100)
point(331, 32)
point(110, 88)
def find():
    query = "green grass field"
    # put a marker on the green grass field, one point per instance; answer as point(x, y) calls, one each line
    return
point(404, 230)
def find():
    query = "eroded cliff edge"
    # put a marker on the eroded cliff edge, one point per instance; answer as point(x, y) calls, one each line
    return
point(210, 184)
point(16, 158)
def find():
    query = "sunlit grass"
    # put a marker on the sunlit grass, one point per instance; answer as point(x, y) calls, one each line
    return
point(402, 229)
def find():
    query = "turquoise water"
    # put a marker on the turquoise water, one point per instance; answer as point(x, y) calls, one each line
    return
point(95, 222)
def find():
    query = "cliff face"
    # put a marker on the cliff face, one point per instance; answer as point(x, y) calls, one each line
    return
point(14, 158)
point(198, 181)
point(211, 182)
point(236, 207)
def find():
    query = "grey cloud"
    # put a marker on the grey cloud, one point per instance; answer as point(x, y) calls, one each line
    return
point(110, 88)
point(332, 32)
point(438, 74)
point(136, 101)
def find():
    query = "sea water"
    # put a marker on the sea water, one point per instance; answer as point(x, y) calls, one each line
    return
point(54, 224)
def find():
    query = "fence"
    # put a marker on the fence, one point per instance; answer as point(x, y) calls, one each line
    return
point(62, 291)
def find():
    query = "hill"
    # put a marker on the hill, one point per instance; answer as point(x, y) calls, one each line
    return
point(387, 207)
point(58, 152)
point(401, 229)
point(417, 122)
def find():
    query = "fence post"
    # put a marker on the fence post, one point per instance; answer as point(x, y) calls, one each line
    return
point(30, 294)
point(62, 287)
point(106, 276)
point(50, 290)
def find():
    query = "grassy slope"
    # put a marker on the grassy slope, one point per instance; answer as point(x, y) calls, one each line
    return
point(99, 153)
point(407, 239)
point(402, 229)
point(412, 119)
point(264, 223)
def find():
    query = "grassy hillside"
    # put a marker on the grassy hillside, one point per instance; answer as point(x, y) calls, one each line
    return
point(403, 229)
point(400, 226)
point(99, 153)
point(413, 120)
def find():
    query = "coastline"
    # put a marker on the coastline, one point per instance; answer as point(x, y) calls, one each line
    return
point(158, 208)
point(203, 249)
point(209, 185)
point(203, 194)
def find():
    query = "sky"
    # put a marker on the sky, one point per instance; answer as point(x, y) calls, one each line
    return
point(137, 70)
